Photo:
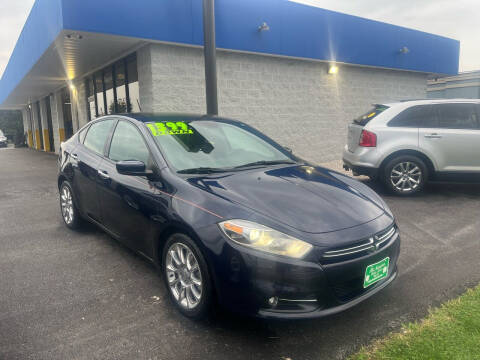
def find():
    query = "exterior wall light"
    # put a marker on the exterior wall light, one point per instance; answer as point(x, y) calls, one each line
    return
point(264, 27)
point(72, 87)
point(332, 69)
point(404, 50)
point(73, 37)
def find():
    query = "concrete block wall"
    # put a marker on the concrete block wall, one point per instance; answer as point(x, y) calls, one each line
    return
point(293, 101)
point(171, 79)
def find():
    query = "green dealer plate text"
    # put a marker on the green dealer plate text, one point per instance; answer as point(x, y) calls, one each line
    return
point(376, 272)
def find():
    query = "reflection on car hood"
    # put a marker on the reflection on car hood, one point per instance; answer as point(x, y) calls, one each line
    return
point(305, 198)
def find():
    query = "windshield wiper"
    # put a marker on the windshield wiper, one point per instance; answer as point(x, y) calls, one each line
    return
point(265, 162)
point(202, 170)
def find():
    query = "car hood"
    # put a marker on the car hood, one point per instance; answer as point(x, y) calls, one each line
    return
point(309, 199)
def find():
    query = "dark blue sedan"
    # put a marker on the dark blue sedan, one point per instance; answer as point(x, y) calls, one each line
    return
point(228, 215)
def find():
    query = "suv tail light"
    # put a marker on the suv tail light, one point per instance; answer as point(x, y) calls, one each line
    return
point(368, 139)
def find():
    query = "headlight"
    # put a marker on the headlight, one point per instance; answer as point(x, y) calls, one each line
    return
point(263, 238)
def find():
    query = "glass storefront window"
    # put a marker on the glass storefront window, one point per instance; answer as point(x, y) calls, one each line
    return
point(121, 91)
point(107, 76)
point(133, 90)
point(91, 99)
point(99, 95)
point(120, 79)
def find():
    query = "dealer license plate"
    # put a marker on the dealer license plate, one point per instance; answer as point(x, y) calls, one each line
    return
point(376, 272)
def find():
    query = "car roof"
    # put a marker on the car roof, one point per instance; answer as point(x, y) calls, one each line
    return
point(159, 117)
point(412, 102)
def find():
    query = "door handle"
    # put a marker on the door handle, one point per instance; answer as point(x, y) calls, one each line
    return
point(103, 174)
point(433, 136)
point(74, 156)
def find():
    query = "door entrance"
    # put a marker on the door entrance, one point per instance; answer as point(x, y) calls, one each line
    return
point(39, 134)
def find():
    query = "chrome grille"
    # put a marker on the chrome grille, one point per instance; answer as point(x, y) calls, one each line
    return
point(361, 248)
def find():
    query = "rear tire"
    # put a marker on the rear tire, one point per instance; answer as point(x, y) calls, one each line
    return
point(405, 175)
point(70, 214)
point(186, 276)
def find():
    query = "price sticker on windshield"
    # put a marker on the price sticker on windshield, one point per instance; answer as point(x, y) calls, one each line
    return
point(169, 128)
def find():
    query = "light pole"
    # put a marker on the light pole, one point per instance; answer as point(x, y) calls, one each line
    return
point(210, 49)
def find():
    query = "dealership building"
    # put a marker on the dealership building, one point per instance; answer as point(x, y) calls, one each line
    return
point(465, 85)
point(299, 73)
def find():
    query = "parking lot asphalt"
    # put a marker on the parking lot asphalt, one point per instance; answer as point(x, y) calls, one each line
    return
point(82, 295)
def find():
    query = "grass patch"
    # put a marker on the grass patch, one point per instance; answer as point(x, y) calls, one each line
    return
point(451, 331)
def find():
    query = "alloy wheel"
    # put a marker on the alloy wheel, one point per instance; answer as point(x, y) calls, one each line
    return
point(184, 275)
point(406, 176)
point(66, 203)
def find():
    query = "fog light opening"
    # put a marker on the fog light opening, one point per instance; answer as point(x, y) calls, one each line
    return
point(273, 301)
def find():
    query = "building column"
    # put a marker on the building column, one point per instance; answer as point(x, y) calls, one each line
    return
point(32, 124)
point(145, 78)
point(80, 96)
point(43, 118)
point(36, 130)
point(57, 119)
point(74, 107)
point(27, 131)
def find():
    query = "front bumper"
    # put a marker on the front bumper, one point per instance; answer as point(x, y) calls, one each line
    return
point(3, 143)
point(303, 289)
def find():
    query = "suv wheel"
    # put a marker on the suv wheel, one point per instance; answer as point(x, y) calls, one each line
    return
point(405, 175)
point(186, 276)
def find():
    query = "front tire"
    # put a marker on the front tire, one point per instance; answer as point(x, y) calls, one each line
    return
point(186, 276)
point(405, 175)
point(70, 214)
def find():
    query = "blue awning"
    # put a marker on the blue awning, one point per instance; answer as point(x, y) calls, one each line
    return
point(296, 30)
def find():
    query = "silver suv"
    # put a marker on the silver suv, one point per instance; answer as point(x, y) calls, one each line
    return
point(405, 144)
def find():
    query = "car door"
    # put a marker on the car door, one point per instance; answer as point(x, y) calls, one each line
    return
point(127, 201)
point(87, 157)
point(455, 140)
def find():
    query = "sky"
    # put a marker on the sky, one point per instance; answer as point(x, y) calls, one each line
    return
point(457, 19)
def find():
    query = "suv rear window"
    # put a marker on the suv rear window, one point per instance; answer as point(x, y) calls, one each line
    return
point(420, 116)
point(369, 115)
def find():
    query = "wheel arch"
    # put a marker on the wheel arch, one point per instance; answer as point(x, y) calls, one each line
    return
point(428, 162)
point(60, 180)
point(177, 227)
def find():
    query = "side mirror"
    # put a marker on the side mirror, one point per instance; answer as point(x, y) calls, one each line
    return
point(288, 149)
point(132, 168)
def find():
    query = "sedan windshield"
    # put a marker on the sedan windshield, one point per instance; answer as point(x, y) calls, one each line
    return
point(203, 146)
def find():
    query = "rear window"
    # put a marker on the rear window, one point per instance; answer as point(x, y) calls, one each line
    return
point(369, 115)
